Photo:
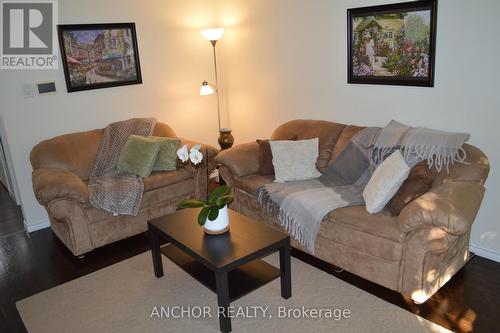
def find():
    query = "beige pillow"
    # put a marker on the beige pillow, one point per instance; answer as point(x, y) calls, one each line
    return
point(295, 160)
point(385, 182)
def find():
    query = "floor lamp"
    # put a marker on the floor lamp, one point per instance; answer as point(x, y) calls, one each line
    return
point(226, 139)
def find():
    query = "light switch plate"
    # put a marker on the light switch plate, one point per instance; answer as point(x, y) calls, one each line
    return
point(28, 90)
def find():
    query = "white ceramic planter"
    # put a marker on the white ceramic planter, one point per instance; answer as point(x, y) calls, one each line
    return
point(220, 225)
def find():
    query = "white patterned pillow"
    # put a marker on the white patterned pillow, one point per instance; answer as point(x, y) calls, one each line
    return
point(385, 182)
point(295, 160)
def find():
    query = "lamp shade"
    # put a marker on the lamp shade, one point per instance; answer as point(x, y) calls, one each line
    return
point(212, 34)
point(206, 89)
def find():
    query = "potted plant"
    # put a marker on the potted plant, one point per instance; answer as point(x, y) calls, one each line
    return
point(213, 215)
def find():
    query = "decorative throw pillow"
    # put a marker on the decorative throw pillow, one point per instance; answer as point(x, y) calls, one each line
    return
point(266, 157)
point(138, 155)
point(295, 160)
point(418, 182)
point(167, 155)
point(385, 182)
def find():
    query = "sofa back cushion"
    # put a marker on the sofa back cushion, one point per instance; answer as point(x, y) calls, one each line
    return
point(162, 129)
point(347, 134)
point(326, 131)
point(76, 152)
point(476, 170)
point(419, 181)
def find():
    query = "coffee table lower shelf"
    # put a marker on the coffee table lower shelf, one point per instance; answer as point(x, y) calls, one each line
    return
point(242, 280)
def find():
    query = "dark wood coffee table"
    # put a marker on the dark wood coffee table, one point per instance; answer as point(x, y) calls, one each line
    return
point(228, 264)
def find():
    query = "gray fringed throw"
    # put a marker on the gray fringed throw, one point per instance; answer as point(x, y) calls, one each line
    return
point(300, 206)
point(118, 193)
point(438, 148)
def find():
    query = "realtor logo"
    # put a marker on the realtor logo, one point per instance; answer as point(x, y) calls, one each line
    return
point(28, 34)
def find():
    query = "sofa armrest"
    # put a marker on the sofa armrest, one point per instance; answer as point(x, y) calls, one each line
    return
point(205, 149)
point(50, 184)
point(212, 151)
point(241, 160)
point(451, 207)
point(200, 171)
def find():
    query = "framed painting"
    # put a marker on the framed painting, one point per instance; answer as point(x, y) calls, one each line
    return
point(98, 56)
point(392, 44)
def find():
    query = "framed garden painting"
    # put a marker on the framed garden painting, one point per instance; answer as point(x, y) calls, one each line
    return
point(392, 44)
point(99, 55)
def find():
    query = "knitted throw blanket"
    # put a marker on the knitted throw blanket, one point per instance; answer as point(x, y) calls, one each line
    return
point(118, 193)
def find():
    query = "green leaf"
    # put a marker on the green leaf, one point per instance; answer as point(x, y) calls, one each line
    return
point(202, 217)
point(191, 203)
point(220, 202)
point(219, 192)
point(213, 214)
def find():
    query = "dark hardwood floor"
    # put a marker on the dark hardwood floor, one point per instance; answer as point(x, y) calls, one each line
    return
point(29, 264)
point(469, 302)
point(36, 262)
point(11, 217)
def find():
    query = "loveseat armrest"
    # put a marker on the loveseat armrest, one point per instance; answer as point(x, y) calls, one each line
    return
point(212, 151)
point(242, 160)
point(200, 171)
point(50, 184)
point(205, 149)
point(452, 207)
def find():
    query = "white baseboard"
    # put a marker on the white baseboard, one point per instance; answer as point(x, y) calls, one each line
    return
point(485, 253)
point(30, 227)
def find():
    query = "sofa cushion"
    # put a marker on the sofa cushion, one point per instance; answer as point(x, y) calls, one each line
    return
point(165, 178)
point(378, 234)
point(158, 197)
point(375, 235)
point(158, 180)
point(251, 183)
point(326, 131)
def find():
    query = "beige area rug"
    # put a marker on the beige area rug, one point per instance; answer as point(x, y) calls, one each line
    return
point(123, 298)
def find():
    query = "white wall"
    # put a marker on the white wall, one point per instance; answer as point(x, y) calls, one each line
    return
point(286, 59)
point(174, 58)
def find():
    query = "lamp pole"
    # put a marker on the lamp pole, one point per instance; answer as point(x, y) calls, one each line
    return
point(216, 82)
point(226, 140)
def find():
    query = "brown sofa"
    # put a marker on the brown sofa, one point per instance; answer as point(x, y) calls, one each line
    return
point(415, 253)
point(61, 169)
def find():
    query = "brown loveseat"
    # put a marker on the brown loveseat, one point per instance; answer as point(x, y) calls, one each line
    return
point(61, 169)
point(415, 253)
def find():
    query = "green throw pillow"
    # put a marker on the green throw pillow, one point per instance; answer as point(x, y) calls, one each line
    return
point(167, 156)
point(138, 155)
